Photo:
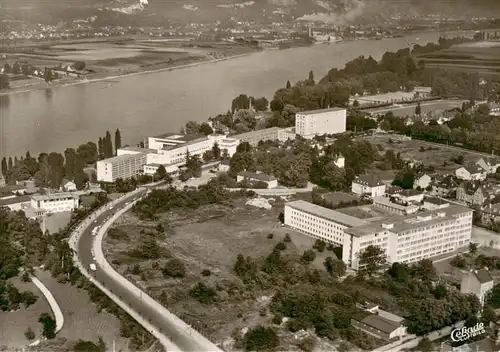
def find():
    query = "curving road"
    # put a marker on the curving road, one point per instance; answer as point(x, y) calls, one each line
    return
point(182, 337)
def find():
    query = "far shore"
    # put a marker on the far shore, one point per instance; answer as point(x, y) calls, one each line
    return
point(113, 75)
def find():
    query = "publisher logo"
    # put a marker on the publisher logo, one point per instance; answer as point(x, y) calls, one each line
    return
point(463, 334)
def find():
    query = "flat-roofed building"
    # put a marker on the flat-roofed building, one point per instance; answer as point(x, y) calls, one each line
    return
point(124, 166)
point(15, 203)
point(254, 137)
point(408, 239)
point(319, 122)
point(55, 202)
point(404, 238)
point(133, 150)
point(319, 222)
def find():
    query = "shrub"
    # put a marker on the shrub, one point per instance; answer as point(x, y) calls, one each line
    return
point(29, 334)
point(280, 246)
point(287, 238)
point(307, 344)
point(174, 268)
point(48, 326)
point(203, 293)
point(260, 339)
point(270, 236)
point(308, 256)
point(206, 272)
point(277, 318)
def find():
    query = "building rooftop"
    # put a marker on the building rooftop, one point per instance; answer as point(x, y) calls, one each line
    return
point(368, 180)
point(399, 223)
point(186, 143)
point(138, 149)
point(473, 169)
point(483, 275)
point(319, 111)
point(435, 200)
point(257, 176)
point(327, 214)
point(380, 323)
point(14, 200)
point(116, 159)
point(255, 133)
point(178, 137)
point(336, 198)
point(53, 196)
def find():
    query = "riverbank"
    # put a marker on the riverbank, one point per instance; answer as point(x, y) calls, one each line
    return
point(112, 75)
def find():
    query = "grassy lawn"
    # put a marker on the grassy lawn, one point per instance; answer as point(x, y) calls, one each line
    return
point(14, 324)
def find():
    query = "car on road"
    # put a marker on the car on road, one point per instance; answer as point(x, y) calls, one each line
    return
point(93, 267)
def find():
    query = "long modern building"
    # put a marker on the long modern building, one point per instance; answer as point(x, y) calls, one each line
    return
point(404, 238)
point(319, 122)
point(122, 166)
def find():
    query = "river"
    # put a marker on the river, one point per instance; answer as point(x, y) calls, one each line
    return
point(154, 103)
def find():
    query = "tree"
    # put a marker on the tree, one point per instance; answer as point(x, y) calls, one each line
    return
point(216, 152)
point(205, 129)
point(203, 293)
point(425, 345)
point(4, 166)
point(473, 248)
point(161, 172)
point(118, 140)
point(418, 109)
point(335, 267)
point(311, 78)
point(4, 81)
point(174, 268)
point(89, 346)
point(260, 339)
point(48, 326)
point(308, 256)
point(108, 146)
point(29, 334)
point(372, 259)
point(288, 85)
point(11, 163)
point(48, 75)
point(79, 65)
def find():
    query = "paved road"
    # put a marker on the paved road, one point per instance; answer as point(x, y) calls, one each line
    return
point(179, 337)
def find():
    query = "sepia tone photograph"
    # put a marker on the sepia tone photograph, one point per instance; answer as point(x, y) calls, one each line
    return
point(261, 175)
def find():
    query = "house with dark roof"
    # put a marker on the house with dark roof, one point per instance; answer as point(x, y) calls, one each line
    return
point(271, 181)
point(471, 193)
point(15, 203)
point(477, 282)
point(445, 184)
point(369, 185)
point(471, 172)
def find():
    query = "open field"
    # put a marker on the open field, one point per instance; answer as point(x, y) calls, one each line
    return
point(14, 324)
point(426, 107)
point(436, 155)
point(470, 57)
point(210, 238)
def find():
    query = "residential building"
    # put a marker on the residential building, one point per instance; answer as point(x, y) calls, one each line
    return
point(434, 203)
point(477, 282)
point(68, 186)
point(422, 181)
point(271, 181)
point(490, 165)
point(286, 134)
point(380, 327)
point(123, 166)
point(471, 193)
point(445, 185)
point(395, 205)
point(490, 213)
point(55, 202)
point(410, 238)
point(471, 172)
point(15, 203)
point(368, 184)
point(225, 165)
point(254, 137)
point(319, 122)
point(319, 222)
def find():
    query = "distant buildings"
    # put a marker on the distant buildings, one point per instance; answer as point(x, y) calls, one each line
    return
point(320, 122)
point(270, 181)
point(477, 282)
point(406, 238)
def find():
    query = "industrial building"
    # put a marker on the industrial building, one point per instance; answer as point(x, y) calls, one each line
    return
point(319, 122)
point(405, 238)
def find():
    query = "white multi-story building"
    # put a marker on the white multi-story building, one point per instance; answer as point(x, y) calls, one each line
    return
point(55, 202)
point(404, 238)
point(319, 222)
point(254, 137)
point(319, 122)
point(123, 166)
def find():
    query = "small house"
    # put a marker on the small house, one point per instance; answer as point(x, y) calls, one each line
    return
point(422, 181)
point(490, 165)
point(271, 181)
point(471, 193)
point(224, 165)
point(471, 172)
point(68, 186)
point(477, 282)
point(368, 184)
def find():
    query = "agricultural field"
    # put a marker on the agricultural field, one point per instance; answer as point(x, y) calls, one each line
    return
point(439, 156)
point(468, 57)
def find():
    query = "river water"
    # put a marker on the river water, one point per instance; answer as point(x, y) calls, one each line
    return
point(154, 103)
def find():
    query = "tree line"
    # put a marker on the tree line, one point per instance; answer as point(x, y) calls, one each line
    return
point(50, 169)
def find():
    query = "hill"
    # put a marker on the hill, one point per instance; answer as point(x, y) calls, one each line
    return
point(157, 12)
